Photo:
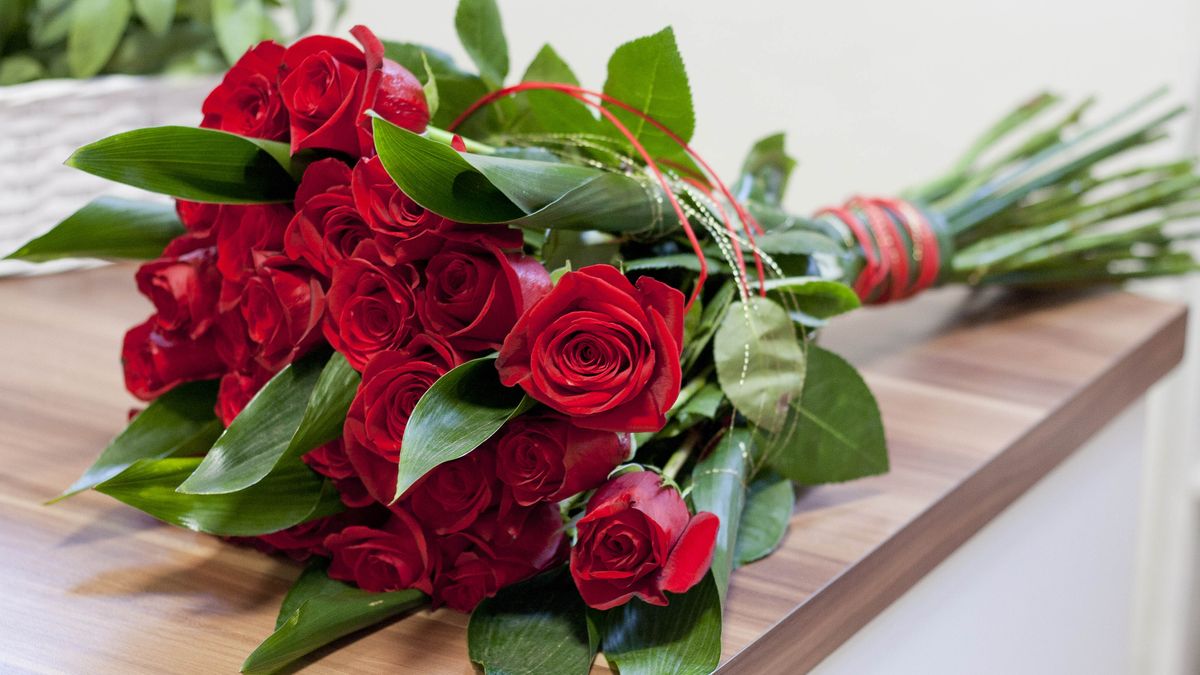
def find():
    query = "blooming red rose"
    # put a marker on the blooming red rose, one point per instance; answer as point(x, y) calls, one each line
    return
point(637, 538)
point(391, 91)
point(301, 542)
point(184, 286)
point(393, 557)
point(247, 235)
point(453, 495)
point(197, 217)
point(545, 457)
point(392, 384)
point(372, 308)
point(327, 228)
point(156, 361)
point(330, 460)
point(474, 294)
point(237, 388)
point(247, 101)
point(282, 304)
point(601, 350)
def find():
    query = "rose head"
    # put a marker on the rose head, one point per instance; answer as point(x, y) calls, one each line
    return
point(155, 360)
point(330, 460)
point(184, 285)
point(372, 308)
point(236, 389)
point(282, 304)
point(327, 228)
point(247, 235)
point(247, 101)
point(453, 495)
point(474, 294)
point(637, 538)
point(300, 542)
point(197, 217)
point(404, 231)
point(599, 349)
point(545, 457)
point(391, 558)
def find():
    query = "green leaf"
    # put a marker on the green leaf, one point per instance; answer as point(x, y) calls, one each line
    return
point(300, 408)
point(288, 496)
point(714, 311)
point(109, 228)
point(770, 500)
point(203, 165)
point(995, 249)
point(760, 364)
point(473, 188)
point(430, 87)
point(648, 74)
point(320, 610)
point(456, 415)
point(552, 111)
point(482, 35)
point(20, 68)
point(96, 30)
point(238, 25)
point(534, 627)
point(815, 297)
point(836, 433)
point(180, 422)
point(305, 14)
point(765, 172)
point(796, 242)
point(683, 638)
point(719, 484)
point(158, 15)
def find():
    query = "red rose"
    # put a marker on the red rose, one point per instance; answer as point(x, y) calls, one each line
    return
point(392, 558)
point(392, 384)
point(197, 217)
point(600, 350)
point(545, 457)
point(301, 542)
point(184, 286)
point(156, 360)
point(391, 91)
point(326, 228)
point(283, 304)
point(330, 460)
point(637, 538)
point(372, 309)
point(247, 101)
point(236, 389)
point(474, 294)
point(453, 495)
point(247, 235)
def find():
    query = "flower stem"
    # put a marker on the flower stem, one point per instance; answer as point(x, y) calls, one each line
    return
point(680, 457)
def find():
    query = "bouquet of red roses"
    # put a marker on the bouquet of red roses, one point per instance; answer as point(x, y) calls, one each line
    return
point(519, 351)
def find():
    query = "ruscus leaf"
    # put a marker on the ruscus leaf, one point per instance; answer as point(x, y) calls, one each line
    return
point(110, 228)
point(156, 14)
point(719, 484)
point(96, 30)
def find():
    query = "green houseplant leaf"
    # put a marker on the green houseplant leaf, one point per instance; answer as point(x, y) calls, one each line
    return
point(288, 496)
point(458, 413)
point(203, 165)
point(96, 30)
point(551, 111)
point(648, 74)
point(838, 434)
point(319, 610)
point(683, 638)
point(537, 626)
point(765, 172)
point(109, 228)
point(238, 25)
point(178, 423)
point(482, 35)
point(300, 408)
point(760, 363)
point(156, 14)
point(770, 500)
point(817, 298)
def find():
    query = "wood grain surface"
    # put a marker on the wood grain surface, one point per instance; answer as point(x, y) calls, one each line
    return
point(982, 394)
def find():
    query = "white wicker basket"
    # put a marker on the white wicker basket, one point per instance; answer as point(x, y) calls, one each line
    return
point(43, 122)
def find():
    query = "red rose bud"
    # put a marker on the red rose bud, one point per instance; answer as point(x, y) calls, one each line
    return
point(545, 457)
point(282, 304)
point(474, 294)
point(247, 235)
point(247, 101)
point(330, 460)
point(326, 228)
point(236, 390)
point(372, 309)
point(391, 558)
point(184, 285)
point(453, 495)
point(637, 538)
point(600, 350)
point(156, 361)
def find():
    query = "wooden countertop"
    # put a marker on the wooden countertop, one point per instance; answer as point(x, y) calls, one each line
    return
point(979, 400)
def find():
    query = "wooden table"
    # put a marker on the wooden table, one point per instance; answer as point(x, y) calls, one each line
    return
point(979, 398)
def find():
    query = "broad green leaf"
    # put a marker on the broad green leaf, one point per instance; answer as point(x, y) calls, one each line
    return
point(482, 35)
point(796, 242)
point(835, 433)
point(96, 30)
point(719, 484)
point(456, 415)
point(109, 228)
point(49, 25)
point(683, 638)
point(238, 25)
point(300, 408)
point(765, 172)
point(457, 88)
point(815, 297)
point(552, 111)
point(760, 363)
point(20, 68)
point(203, 165)
point(474, 188)
point(178, 423)
point(320, 610)
point(770, 500)
point(156, 14)
point(648, 74)
point(684, 261)
point(288, 496)
point(534, 627)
